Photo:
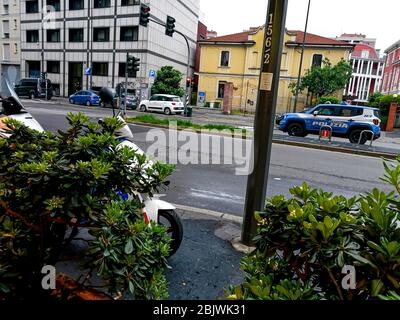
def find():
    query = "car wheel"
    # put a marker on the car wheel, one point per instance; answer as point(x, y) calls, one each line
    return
point(167, 111)
point(88, 103)
point(143, 108)
point(32, 95)
point(354, 136)
point(71, 101)
point(296, 130)
point(102, 104)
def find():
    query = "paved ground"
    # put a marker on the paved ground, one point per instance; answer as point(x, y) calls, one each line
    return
point(202, 269)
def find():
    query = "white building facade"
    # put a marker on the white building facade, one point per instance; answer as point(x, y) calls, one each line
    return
point(9, 42)
point(74, 35)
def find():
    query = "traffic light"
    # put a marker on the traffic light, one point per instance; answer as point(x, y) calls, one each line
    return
point(144, 15)
point(43, 75)
point(130, 63)
point(188, 82)
point(170, 27)
point(136, 64)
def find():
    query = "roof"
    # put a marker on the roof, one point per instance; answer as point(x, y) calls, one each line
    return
point(359, 48)
point(235, 37)
point(393, 46)
point(313, 39)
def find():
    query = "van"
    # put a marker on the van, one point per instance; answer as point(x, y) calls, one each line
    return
point(34, 88)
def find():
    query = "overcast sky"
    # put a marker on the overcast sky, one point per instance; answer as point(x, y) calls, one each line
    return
point(375, 18)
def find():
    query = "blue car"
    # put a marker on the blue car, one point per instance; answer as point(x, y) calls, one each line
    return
point(345, 121)
point(87, 97)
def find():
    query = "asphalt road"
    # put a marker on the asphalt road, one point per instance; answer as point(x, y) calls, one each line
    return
point(217, 187)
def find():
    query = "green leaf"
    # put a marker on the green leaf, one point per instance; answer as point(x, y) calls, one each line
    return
point(129, 247)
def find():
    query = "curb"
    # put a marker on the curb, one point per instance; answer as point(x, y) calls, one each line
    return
point(366, 153)
point(214, 214)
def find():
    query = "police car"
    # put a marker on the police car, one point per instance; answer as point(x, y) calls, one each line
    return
point(344, 120)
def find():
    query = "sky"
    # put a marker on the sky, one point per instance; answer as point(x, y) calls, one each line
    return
point(375, 18)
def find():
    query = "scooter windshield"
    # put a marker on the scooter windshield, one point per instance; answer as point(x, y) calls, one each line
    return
point(14, 95)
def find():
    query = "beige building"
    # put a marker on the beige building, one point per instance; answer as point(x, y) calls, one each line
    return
point(9, 42)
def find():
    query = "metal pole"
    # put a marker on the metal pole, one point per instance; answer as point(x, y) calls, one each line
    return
point(296, 98)
point(264, 118)
point(245, 102)
point(187, 72)
point(126, 81)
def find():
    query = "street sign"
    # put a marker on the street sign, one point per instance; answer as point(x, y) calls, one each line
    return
point(202, 94)
point(88, 72)
point(152, 74)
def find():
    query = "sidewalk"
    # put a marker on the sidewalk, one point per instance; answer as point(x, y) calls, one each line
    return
point(204, 266)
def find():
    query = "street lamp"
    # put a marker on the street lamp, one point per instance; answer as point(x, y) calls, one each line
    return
point(301, 59)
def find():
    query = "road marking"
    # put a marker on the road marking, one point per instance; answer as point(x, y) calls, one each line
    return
point(215, 214)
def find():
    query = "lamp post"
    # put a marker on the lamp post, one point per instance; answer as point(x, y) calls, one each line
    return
point(296, 98)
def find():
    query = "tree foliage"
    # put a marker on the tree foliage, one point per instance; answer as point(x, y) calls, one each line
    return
point(50, 181)
point(168, 81)
point(304, 243)
point(325, 80)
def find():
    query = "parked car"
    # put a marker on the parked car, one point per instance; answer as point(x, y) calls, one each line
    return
point(131, 100)
point(34, 88)
point(164, 103)
point(344, 120)
point(87, 97)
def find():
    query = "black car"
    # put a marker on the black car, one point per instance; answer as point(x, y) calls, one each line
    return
point(34, 88)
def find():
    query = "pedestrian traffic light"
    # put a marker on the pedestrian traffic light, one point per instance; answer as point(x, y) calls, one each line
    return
point(144, 15)
point(188, 82)
point(170, 27)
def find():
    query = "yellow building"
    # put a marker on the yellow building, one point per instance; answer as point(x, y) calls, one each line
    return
point(236, 58)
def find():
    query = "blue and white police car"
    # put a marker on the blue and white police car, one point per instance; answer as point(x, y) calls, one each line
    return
point(344, 120)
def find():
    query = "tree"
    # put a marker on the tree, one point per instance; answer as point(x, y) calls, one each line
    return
point(325, 80)
point(48, 182)
point(168, 81)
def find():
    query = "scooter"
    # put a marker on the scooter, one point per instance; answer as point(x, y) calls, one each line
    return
point(154, 209)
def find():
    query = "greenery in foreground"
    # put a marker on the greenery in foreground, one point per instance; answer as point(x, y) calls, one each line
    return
point(47, 181)
point(150, 119)
point(303, 243)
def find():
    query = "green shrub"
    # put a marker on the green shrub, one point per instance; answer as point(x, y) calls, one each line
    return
point(303, 243)
point(327, 99)
point(47, 180)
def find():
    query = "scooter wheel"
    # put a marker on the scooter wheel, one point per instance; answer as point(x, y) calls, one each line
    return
point(171, 220)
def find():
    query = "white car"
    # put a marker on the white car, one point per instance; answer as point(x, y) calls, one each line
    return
point(164, 103)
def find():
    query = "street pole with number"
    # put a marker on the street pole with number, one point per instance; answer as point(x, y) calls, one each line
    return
point(264, 118)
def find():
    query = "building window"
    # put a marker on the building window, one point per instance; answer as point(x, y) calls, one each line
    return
point(32, 36)
point(53, 66)
point(129, 2)
point(53, 35)
point(6, 29)
point(32, 6)
point(317, 60)
point(102, 4)
point(101, 34)
point(365, 54)
point(76, 35)
point(55, 4)
point(129, 34)
point(6, 52)
point(100, 68)
point(76, 4)
point(33, 69)
point(221, 89)
point(121, 71)
point(224, 59)
point(5, 9)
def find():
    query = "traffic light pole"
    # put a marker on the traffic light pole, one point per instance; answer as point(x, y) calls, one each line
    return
point(126, 82)
point(264, 118)
point(188, 63)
